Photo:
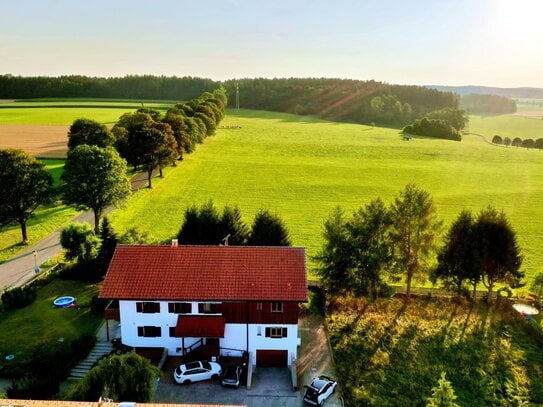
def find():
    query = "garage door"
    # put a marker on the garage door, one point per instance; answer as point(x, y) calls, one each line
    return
point(271, 358)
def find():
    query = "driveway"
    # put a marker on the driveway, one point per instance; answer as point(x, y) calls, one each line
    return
point(271, 388)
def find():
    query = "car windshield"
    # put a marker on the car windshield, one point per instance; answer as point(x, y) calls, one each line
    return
point(206, 365)
point(230, 372)
point(192, 365)
point(311, 393)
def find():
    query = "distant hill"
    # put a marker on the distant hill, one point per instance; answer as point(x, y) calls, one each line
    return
point(518, 93)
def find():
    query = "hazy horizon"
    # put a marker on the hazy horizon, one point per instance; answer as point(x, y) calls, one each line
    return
point(456, 43)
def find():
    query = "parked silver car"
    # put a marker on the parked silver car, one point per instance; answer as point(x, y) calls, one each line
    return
point(196, 371)
point(231, 376)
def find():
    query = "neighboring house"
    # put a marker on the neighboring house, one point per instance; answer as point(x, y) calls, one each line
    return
point(234, 298)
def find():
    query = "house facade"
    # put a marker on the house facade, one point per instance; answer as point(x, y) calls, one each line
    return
point(236, 298)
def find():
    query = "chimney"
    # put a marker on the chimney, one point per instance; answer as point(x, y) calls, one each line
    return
point(175, 243)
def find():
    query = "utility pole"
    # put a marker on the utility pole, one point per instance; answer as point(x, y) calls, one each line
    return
point(237, 96)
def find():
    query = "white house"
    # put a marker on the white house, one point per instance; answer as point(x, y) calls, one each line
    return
point(232, 299)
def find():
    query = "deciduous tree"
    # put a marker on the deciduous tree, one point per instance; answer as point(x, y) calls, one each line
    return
point(413, 234)
point(90, 132)
point(95, 178)
point(25, 186)
point(499, 253)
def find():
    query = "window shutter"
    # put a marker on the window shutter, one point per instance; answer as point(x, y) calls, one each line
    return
point(268, 332)
point(171, 307)
point(139, 307)
point(156, 306)
point(284, 334)
point(141, 331)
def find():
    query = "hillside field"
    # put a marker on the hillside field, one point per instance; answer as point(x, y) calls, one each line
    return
point(302, 167)
point(507, 125)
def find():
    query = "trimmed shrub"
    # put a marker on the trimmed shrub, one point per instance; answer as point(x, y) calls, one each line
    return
point(18, 297)
point(497, 139)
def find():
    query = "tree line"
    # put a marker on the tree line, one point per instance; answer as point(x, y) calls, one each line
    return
point(444, 123)
point(487, 104)
point(518, 142)
point(95, 172)
point(379, 244)
point(334, 99)
point(127, 87)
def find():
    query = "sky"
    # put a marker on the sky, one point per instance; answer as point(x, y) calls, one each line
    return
point(441, 42)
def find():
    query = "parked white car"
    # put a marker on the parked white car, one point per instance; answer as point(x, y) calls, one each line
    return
point(196, 371)
point(319, 390)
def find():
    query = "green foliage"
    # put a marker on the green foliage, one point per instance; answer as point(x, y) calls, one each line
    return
point(90, 132)
point(435, 128)
point(389, 354)
point(18, 297)
point(95, 178)
point(498, 250)
point(414, 232)
point(497, 140)
point(108, 243)
point(537, 285)
point(455, 117)
point(25, 186)
point(205, 225)
point(443, 394)
point(135, 235)
point(79, 242)
point(119, 377)
point(487, 104)
point(268, 230)
point(357, 250)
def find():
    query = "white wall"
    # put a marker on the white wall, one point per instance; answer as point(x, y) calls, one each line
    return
point(235, 335)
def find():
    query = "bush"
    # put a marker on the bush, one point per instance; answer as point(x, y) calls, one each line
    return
point(18, 297)
point(497, 140)
point(435, 128)
point(41, 387)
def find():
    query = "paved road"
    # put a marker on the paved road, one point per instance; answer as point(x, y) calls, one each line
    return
point(20, 269)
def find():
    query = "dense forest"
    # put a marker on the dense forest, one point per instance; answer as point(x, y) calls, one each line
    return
point(487, 104)
point(335, 99)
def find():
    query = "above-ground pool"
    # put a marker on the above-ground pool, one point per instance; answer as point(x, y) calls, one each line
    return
point(62, 302)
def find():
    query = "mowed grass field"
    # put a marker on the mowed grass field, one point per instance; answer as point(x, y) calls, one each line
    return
point(301, 168)
point(507, 125)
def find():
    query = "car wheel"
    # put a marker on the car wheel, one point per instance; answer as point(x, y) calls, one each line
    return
point(187, 381)
point(214, 376)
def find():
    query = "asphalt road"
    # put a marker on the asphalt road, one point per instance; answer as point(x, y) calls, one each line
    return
point(20, 269)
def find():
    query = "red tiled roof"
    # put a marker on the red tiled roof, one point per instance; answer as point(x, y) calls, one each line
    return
point(200, 327)
point(223, 273)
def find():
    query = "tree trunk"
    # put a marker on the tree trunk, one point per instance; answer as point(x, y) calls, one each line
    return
point(23, 232)
point(474, 292)
point(96, 221)
point(149, 174)
point(408, 290)
point(489, 295)
point(161, 175)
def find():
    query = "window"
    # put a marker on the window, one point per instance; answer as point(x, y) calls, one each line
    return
point(209, 308)
point(172, 332)
point(149, 331)
point(148, 307)
point(179, 307)
point(276, 307)
point(259, 306)
point(276, 332)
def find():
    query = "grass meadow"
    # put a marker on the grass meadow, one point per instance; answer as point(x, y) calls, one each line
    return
point(65, 111)
point(507, 125)
point(387, 353)
point(302, 167)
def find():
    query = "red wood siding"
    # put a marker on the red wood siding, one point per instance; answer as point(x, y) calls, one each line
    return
point(243, 312)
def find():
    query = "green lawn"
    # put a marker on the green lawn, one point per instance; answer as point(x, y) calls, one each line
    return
point(301, 168)
point(22, 329)
point(388, 355)
point(507, 125)
point(46, 220)
point(64, 112)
